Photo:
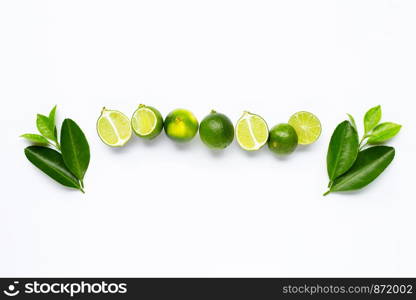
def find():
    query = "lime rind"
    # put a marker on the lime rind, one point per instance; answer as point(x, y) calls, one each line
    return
point(252, 132)
point(108, 130)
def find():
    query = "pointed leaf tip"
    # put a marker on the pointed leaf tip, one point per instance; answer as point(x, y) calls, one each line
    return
point(35, 138)
point(45, 127)
point(51, 163)
point(372, 118)
point(384, 132)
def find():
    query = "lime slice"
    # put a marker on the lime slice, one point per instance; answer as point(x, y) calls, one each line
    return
point(114, 128)
point(147, 122)
point(307, 126)
point(251, 132)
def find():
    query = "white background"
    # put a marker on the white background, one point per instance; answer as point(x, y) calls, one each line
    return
point(160, 209)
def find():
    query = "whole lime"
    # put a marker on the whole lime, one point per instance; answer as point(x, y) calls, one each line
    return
point(216, 131)
point(283, 139)
point(181, 125)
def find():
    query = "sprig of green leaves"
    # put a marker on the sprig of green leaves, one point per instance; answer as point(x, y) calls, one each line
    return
point(69, 164)
point(375, 132)
point(351, 166)
point(47, 129)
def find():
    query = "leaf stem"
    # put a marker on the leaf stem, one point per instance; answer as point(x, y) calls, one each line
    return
point(330, 184)
point(54, 144)
point(361, 145)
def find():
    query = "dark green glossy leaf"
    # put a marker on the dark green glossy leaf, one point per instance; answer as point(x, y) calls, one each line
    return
point(372, 118)
point(343, 150)
point(369, 165)
point(352, 121)
point(75, 149)
point(383, 133)
point(35, 138)
point(45, 127)
point(52, 164)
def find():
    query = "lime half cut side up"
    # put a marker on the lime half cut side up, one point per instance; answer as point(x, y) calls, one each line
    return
point(147, 122)
point(252, 132)
point(114, 128)
point(307, 126)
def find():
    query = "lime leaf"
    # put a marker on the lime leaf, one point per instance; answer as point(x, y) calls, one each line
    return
point(45, 127)
point(369, 165)
point(35, 138)
point(52, 115)
point(75, 149)
point(343, 150)
point(352, 121)
point(384, 132)
point(372, 118)
point(51, 163)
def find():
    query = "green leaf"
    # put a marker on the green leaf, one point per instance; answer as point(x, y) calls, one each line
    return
point(384, 132)
point(52, 121)
point(45, 127)
point(75, 149)
point(369, 165)
point(51, 163)
point(35, 138)
point(343, 150)
point(372, 118)
point(52, 115)
point(352, 121)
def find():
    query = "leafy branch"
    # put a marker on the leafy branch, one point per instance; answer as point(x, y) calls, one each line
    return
point(354, 163)
point(69, 162)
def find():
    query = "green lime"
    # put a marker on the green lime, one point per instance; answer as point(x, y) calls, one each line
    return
point(114, 128)
point(216, 131)
point(283, 139)
point(307, 126)
point(181, 125)
point(147, 122)
point(251, 132)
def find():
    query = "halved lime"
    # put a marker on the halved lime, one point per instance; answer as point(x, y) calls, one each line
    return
point(114, 128)
point(251, 132)
point(147, 122)
point(307, 126)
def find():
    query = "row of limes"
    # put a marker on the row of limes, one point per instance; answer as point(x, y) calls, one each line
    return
point(216, 130)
